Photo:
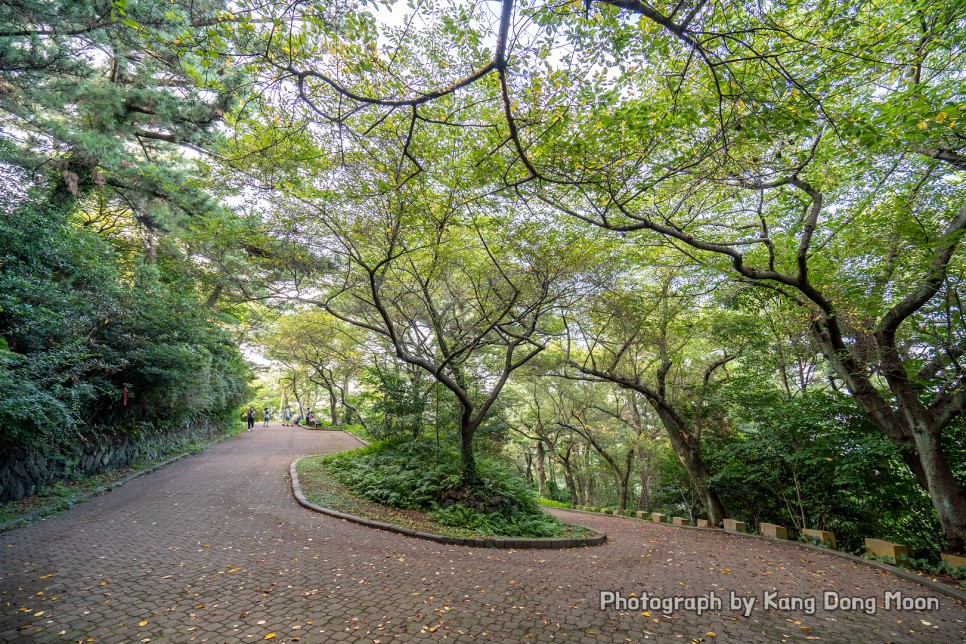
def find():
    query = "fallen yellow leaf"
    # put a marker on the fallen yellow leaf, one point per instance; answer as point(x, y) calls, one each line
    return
point(143, 622)
point(270, 636)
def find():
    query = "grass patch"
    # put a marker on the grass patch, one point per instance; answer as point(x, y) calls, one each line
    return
point(550, 503)
point(63, 495)
point(416, 485)
point(358, 431)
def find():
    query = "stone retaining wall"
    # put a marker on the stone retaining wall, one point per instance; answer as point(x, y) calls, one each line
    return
point(24, 472)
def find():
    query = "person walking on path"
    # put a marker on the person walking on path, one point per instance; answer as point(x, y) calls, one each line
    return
point(265, 424)
point(251, 419)
point(288, 417)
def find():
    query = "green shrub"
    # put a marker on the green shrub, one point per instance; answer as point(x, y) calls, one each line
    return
point(519, 524)
point(81, 321)
point(422, 475)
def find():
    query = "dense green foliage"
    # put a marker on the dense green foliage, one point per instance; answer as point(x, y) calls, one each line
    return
point(81, 320)
point(422, 475)
point(809, 153)
point(111, 268)
point(398, 404)
point(702, 258)
point(100, 94)
point(816, 461)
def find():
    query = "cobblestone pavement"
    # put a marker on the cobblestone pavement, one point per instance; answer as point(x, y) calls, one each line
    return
point(214, 548)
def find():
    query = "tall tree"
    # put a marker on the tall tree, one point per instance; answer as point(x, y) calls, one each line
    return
point(327, 348)
point(801, 147)
point(653, 340)
point(103, 96)
point(469, 298)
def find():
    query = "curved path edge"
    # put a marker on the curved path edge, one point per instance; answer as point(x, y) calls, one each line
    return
point(495, 542)
point(937, 586)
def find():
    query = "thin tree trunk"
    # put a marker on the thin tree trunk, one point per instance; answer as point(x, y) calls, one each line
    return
point(625, 483)
point(569, 479)
point(644, 470)
point(333, 406)
point(686, 446)
point(621, 476)
point(538, 465)
point(467, 461)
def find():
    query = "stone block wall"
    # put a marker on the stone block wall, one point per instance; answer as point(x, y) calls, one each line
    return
point(24, 472)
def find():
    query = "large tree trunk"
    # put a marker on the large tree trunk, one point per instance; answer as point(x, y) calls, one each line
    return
point(911, 431)
point(945, 491)
point(688, 451)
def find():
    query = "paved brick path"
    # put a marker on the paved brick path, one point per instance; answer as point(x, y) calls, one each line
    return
point(214, 548)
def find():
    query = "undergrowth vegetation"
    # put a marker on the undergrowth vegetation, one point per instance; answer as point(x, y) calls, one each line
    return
point(425, 476)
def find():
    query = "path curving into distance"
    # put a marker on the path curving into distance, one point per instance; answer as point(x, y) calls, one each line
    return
point(214, 548)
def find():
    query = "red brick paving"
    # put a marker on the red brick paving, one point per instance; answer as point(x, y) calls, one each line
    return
point(214, 548)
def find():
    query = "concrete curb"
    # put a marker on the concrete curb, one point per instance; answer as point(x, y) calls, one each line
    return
point(347, 433)
point(364, 442)
point(936, 586)
point(495, 542)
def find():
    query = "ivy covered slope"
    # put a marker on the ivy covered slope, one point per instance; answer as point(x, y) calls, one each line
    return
point(426, 477)
point(83, 316)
